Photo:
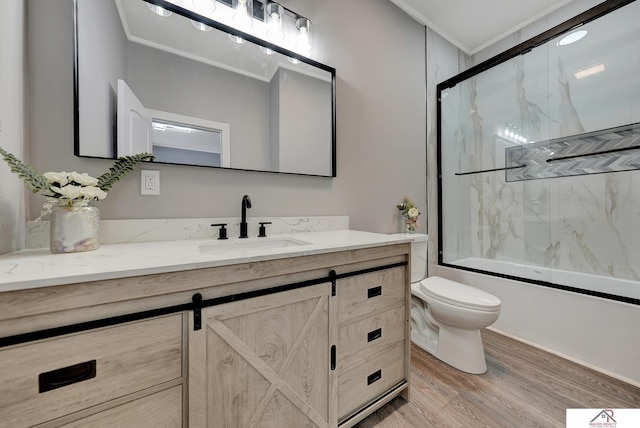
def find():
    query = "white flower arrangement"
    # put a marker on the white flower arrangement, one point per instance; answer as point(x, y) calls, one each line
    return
point(73, 186)
point(72, 189)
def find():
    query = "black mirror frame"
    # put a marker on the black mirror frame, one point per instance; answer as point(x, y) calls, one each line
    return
point(230, 30)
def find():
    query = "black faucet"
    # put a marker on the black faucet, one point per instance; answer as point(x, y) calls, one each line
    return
point(246, 203)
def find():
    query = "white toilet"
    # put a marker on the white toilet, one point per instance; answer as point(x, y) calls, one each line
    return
point(446, 316)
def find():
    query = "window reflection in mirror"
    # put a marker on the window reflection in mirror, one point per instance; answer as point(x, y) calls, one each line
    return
point(181, 143)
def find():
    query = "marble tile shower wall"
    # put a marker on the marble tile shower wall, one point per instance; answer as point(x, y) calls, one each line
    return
point(586, 223)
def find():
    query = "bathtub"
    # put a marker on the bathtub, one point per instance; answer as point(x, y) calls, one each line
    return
point(584, 281)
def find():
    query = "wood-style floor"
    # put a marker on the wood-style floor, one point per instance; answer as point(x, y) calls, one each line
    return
point(523, 387)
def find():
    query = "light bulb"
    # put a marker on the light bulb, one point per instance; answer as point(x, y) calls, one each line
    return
point(242, 16)
point(304, 35)
point(275, 24)
point(303, 44)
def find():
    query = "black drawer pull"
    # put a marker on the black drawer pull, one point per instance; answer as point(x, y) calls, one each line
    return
point(333, 357)
point(375, 291)
point(373, 335)
point(67, 376)
point(374, 377)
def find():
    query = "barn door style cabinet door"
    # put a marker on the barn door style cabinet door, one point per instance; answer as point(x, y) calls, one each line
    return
point(265, 361)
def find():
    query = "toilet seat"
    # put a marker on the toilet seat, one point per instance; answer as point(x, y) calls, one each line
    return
point(458, 294)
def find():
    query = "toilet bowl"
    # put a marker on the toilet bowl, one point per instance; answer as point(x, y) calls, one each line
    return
point(446, 316)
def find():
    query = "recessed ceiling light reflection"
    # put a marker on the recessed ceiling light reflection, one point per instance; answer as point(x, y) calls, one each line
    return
point(200, 26)
point(266, 51)
point(572, 38)
point(292, 60)
point(236, 39)
point(159, 10)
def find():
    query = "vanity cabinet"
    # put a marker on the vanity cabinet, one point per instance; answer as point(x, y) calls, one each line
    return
point(316, 356)
point(372, 339)
point(263, 361)
point(63, 378)
point(162, 409)
point(319, 340)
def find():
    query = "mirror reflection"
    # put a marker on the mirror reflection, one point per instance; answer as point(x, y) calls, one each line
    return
point(191, 94)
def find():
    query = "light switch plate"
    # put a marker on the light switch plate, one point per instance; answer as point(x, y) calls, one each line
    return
point(149, 182)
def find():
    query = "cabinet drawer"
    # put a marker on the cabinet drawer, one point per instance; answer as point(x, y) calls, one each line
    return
point(365, 294)
point(365, 382)
point(162, 409)
point(52, 378)
point(370, 336)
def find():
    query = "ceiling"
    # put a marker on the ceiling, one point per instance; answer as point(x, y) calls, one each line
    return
point(472, 25)
point(176, 34)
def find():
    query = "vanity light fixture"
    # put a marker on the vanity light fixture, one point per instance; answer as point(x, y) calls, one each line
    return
point(159, 10)
point(263, 19)
point(572, 37)
point(303, 25)
point(274, 19)
point(243, 13)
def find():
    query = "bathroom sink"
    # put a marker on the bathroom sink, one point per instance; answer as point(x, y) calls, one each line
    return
point(249, 245)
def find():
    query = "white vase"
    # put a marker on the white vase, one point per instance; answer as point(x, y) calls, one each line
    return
point(74, 228)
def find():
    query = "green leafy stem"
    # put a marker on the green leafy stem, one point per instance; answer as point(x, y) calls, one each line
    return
point(122, 167)
point(37, 183)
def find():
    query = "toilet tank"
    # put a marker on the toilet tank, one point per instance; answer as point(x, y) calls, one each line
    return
point(419, 245)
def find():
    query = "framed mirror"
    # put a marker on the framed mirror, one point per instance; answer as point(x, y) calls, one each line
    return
point(196, 92)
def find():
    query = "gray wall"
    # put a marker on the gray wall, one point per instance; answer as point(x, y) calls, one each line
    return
point(12, 200)
point(304, 139)
point(99, 25)
point(381, 132)
point(194, 89)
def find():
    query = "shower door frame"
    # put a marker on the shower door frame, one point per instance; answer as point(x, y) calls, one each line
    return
point(592, 14)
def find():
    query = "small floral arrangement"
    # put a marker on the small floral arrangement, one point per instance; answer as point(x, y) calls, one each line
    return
point(410, 213)
point(72, 189)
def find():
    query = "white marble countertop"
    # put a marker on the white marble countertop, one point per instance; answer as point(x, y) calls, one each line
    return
point(29, 269)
